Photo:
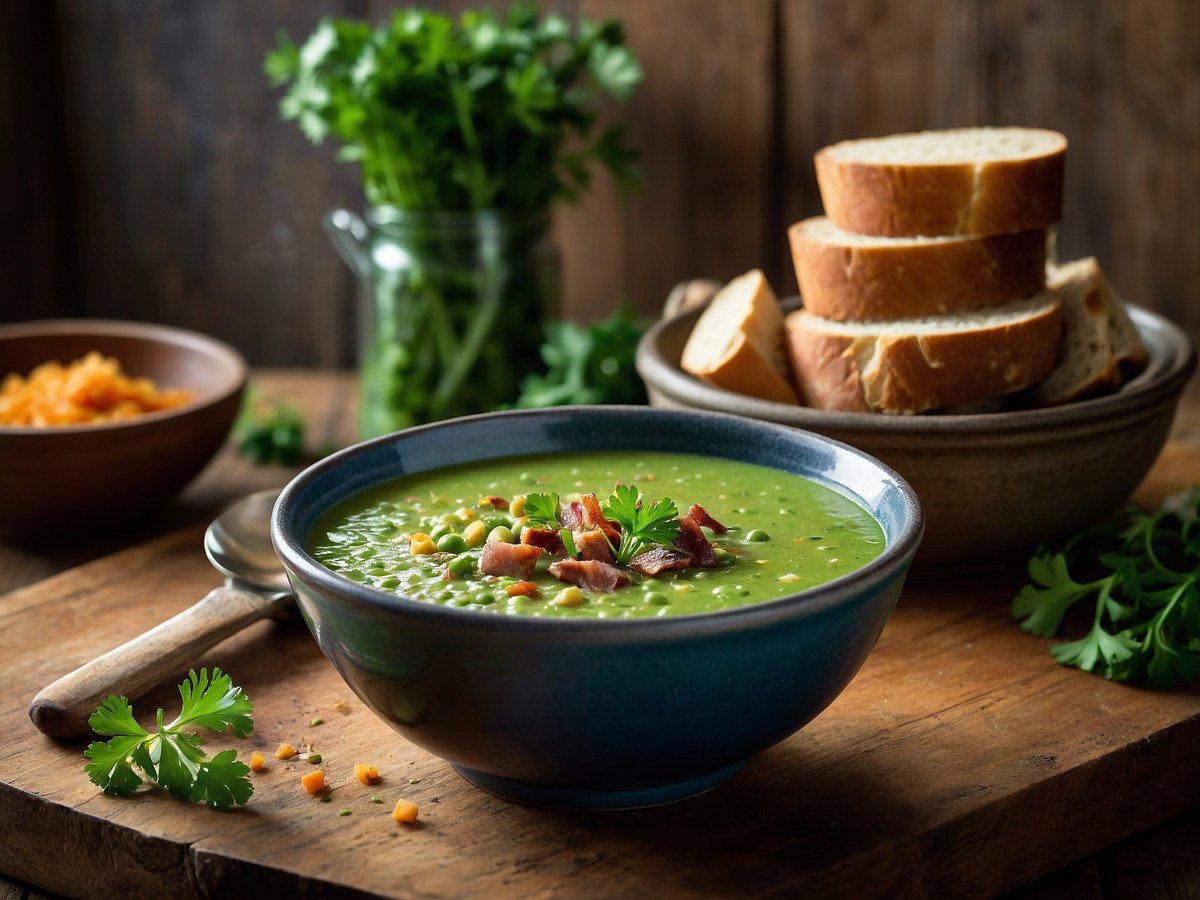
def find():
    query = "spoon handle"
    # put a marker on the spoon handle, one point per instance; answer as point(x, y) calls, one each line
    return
point(163, 652)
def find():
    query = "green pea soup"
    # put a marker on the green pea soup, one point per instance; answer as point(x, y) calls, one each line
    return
point(786, 533)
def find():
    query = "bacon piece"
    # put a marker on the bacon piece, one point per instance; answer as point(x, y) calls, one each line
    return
point(593, 545)
point(514, 560)
point(571, 515)
point(522, 589)
point(692, 541)
point(494, 502)
point(589, 574)
point(543, 538)
point(594, 518)
point(660, 559)
point(702, 518)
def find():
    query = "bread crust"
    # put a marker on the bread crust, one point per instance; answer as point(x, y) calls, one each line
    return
point(1101, 347)
point(935, 198)
point(918, 371)
point(847, 279)
point(737, 343)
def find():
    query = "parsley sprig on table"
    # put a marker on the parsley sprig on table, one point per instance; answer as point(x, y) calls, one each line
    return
point(643, 523)
point(170, 755)
point(1142, 576)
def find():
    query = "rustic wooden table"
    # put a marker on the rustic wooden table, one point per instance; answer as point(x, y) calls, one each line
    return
point(1162, 861)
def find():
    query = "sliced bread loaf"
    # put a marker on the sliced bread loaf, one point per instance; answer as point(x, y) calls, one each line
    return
point(916, 365)
point(845, 275)
point(1101, 347)
point(957, 181)
point(737, 343)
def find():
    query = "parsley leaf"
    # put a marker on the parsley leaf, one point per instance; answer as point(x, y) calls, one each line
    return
point(170, 756)
point(489, 111)
point(642, 523)
point(1142, 583)
point(542, 510)
point(595, 364)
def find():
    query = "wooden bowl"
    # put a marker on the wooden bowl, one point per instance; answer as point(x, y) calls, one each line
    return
point(992, 484)
point(63, 478)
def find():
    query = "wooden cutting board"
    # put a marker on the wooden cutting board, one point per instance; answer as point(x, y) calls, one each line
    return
point(960, 761)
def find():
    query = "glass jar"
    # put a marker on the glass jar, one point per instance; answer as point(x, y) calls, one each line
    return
point(451, 310)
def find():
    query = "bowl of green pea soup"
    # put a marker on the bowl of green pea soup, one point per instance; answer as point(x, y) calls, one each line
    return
point(562, 602)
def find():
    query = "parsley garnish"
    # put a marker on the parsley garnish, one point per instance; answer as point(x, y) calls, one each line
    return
point(542, 510)
point(171, 756)
point(643, 523)
point(1142, 575)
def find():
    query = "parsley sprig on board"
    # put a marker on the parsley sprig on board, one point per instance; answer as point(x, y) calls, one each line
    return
point(1141, 576)
point(484, 112)
point(170, 755)
point(643, 523)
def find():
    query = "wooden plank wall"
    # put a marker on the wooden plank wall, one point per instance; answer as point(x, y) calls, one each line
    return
point(144, 173)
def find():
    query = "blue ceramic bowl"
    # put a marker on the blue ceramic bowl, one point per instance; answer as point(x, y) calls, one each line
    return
point(597, 714)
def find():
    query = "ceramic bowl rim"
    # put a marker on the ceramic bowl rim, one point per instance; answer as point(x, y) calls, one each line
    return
point(233, 368)
point(891, 563)
point(1172, 362)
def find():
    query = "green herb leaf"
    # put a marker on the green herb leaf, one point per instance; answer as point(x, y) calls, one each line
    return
point(170, 756)
point(269, 432)
point(482, 112)
point(643, 523)
point(542, 510)
point(587, 365)
point(1143, 583)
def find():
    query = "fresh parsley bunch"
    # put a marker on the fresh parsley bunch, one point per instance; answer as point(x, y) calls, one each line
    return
point(170, 755)
point(1141, 577)
point(593, 364)
point(487, 112)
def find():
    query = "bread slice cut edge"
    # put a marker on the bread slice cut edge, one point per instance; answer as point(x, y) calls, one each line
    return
point(737, 342)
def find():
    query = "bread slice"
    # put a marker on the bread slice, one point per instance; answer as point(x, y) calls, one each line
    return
point(958, 181)
point(916, 365)
point(737, 343)
point(844, 275)
point(1101, 347)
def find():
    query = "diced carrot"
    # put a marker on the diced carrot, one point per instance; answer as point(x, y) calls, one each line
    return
point(365, 773)
point(285, 751)
point(405, 811)
point(523, 589)
point(256, 762)
point(313, 781)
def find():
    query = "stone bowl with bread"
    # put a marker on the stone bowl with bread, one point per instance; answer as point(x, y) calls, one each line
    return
point(934, 330)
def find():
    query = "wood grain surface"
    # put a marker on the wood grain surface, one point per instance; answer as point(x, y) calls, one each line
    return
point(145, 173)
point(960, 762)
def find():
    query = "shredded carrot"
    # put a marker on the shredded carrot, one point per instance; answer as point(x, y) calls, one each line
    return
point(286, 751)
point(405, 811)
point(257, 763)
point(523, 589)
point(88, 390)
point(365, 773)
point(313, 781)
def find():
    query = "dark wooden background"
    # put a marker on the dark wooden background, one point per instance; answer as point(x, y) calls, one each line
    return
point(144, 173)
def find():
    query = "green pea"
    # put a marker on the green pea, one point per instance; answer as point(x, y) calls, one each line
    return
point(462, 565)
point(496, 522)
point(724, 557)
point(440, 531)
point(757, 535)
point(502, 533)
point(452, 543)
point(656, 598)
